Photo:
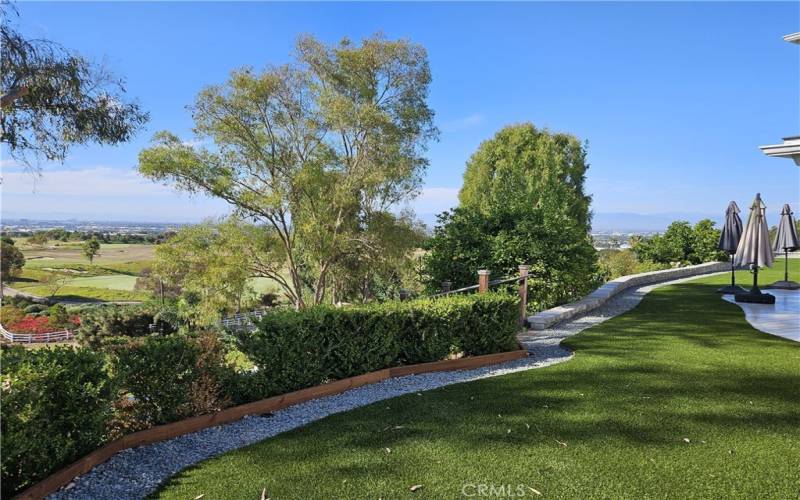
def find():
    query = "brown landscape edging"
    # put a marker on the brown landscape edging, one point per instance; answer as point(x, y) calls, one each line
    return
point(168, 431)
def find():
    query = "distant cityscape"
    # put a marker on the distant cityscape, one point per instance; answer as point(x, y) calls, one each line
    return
point(24, 226)
point(603, 239)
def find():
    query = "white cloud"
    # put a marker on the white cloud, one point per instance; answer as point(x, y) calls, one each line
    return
point(100, 193)
point(94, 182)
point(464, 123)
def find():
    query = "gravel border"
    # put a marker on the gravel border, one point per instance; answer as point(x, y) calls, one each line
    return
point(135, 473)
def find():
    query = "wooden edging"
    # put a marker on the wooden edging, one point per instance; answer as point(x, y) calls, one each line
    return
point(168, 431)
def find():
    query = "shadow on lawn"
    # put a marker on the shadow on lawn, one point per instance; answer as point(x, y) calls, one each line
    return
point(684, 363)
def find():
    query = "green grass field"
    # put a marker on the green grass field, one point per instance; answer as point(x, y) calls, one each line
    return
point(110, 277)
point(679, 398)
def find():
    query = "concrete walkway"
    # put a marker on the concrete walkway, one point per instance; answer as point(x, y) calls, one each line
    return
point(781, 318)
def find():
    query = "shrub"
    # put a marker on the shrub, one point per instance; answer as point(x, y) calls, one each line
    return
point(170, 378)
point(56, 405)
point(10, 314)
point(99, 325)
point(35, 308)
point(297, 349)
point(31, 324)
point(59, 317)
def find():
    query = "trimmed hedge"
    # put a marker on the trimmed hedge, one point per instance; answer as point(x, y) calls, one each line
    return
point(298, 349)
point(56, 404)
point(60, 403)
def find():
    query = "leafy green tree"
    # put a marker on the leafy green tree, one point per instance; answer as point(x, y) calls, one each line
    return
point(211, 264)
point(522, 202)
point(39, 238)
point(90, 249)
point(12, 260)
point(312, 151)
point(384, 265)
point(681, 243)
point(523, 166)
point(706, 238)
point(53, 98)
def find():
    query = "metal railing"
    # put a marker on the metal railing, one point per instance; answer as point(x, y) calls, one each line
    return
point(243, 320)
point(30, 338)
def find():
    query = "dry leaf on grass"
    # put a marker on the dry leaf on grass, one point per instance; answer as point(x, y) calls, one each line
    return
point(198, 497)
point(535, 491)
point(562, 443)
point(416, 487)
point(387, 450)
point(686, 440)
point(264, 494)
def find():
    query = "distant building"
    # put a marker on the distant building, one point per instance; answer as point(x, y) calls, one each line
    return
point(791, 145)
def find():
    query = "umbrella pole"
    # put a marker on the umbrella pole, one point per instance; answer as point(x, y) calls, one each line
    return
point(786, 265)
point(733, 273)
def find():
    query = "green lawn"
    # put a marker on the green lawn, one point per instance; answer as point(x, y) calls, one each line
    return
point(679, 398)
point(111, 277)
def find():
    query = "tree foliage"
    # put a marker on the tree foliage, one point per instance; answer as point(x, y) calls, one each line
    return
point(315, 151)
point(681, 243)
point(53, 98)
point(90, 249)
point(523, 166)
point(12, 260)
point(522, 203)
point(210, 264)
point(559, 252)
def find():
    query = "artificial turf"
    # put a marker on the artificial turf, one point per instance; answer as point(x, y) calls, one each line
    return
point(679, 398)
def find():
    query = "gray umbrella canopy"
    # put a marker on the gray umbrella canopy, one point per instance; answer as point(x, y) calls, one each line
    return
point(732, 230)
point(786, 238)
point(754, 248)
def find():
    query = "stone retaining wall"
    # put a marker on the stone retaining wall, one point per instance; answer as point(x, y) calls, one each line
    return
point(550, 317)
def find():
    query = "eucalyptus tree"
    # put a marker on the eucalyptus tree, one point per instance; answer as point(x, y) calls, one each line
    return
point(312, 150)
point(52, 98)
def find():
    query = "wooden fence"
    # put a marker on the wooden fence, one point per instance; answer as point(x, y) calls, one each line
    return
point(30, 338)
point(484, 283)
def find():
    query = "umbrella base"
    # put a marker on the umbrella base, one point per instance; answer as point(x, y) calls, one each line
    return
point(731, 290)
point(755, 298)
point(784, 285)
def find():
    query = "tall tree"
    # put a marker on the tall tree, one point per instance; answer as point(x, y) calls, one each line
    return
point(525, 166)
point(53, 98)
point(522, 202)
point(313, 150)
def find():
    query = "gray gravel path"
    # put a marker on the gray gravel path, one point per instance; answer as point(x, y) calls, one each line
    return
point(137, 472)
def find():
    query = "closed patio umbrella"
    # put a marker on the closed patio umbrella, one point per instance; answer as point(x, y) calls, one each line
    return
point(755, 251)
point(786, 241)
point(729, 242)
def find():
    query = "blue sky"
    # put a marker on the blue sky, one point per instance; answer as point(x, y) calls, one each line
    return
point(673, 98)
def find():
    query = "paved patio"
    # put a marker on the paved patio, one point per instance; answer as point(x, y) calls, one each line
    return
point(781, 318)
